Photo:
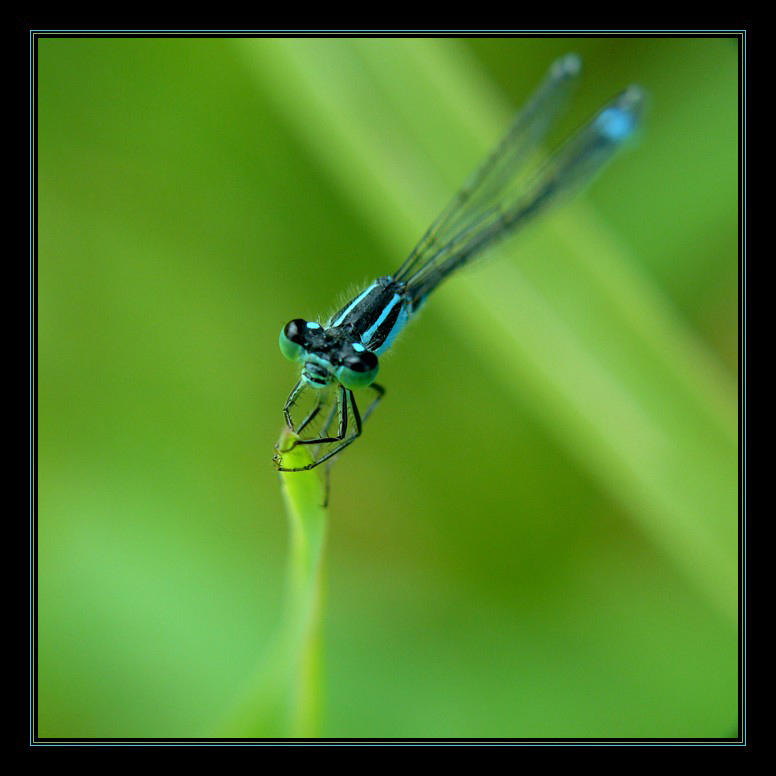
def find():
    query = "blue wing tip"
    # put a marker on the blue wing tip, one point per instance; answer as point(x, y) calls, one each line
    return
point(620, 119)
point(568, 66)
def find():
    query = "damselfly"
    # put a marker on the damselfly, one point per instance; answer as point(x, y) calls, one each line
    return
point(342, 355)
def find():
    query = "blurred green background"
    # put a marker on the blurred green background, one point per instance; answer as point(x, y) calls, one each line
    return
point(537, 534)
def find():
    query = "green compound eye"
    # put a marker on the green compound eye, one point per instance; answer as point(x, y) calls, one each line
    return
point(292, 339)
point(358, 371)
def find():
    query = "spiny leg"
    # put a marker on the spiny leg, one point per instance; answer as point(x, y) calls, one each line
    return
point(327, 469)
point(343, 421)
point(290, 402)
point(330, 462)
point(326, 426)
point(346, 396)
point(380, 391)
point(313, 412)
point(342, 406)
point(326, 484)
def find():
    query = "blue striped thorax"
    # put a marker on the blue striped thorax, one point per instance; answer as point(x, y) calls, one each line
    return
point(376, 315)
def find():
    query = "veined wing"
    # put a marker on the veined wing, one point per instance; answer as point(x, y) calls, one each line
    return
point(486, 186)
point(573, 165)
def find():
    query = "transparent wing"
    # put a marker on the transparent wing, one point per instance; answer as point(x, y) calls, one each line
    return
point(487, 184)
point(572, 166)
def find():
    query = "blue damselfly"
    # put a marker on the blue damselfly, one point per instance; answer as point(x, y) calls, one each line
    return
point(342, 354)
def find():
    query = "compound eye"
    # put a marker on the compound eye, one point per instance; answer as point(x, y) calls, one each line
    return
point(358, 370)
point(295, 330)
point(293, 338)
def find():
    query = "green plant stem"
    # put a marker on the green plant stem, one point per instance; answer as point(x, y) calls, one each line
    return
point(307, 528)
point(283, 698)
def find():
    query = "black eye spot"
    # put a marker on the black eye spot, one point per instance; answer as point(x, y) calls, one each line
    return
point(361, 362)
point(295, 330)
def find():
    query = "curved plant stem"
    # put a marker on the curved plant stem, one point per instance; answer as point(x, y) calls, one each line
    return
point(283, 698)
point(307, 528)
